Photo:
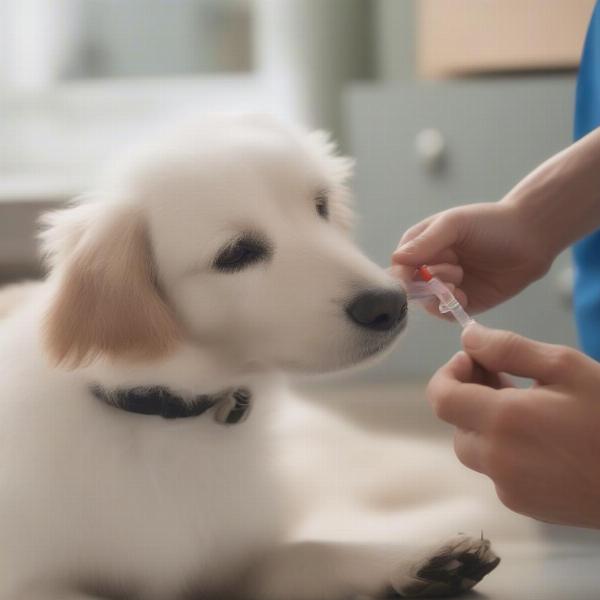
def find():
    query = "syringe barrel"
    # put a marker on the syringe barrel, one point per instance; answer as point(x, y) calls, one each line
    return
point(461, 316)
point(448, 303)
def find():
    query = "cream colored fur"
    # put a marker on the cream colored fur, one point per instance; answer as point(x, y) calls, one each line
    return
point(96, 502)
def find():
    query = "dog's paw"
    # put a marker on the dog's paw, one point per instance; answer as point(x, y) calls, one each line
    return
point(449, 570)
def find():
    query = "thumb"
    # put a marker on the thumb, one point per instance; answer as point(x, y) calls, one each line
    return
point(506, 352)
point(427, 244)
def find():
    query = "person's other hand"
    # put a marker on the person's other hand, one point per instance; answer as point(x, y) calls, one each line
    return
point(541, 445)
point(487, 251)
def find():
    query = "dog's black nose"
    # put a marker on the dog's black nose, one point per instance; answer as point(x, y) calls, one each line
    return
point(380, 310)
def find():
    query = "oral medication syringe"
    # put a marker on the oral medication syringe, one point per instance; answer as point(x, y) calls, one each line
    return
point(432, 286)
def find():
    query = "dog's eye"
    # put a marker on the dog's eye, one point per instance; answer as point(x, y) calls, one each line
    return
point(241, 254)
point(322, 205)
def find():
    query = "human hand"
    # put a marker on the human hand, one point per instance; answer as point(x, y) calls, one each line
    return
point(487, 251)
point(541, 445)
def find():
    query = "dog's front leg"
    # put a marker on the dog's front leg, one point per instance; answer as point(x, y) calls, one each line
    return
point(47, 592)
point(336, 571)
point(48, 595)
point(320, 571)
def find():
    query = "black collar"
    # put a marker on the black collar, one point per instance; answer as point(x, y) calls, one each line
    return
point(231, 406)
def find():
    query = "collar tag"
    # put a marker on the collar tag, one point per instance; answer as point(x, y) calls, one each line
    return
point(234, 407)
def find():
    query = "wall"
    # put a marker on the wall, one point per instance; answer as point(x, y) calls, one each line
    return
point(395, 39)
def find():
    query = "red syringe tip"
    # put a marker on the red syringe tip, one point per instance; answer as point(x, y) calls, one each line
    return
point(425, 273)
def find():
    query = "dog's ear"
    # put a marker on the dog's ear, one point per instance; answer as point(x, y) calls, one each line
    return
point(107, 300)
point(338, 171)
point(340, 167)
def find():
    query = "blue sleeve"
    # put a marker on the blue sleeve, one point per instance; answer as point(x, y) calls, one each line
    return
point(586, 253)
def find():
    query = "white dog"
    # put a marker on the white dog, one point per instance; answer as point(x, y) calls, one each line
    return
point(179, 294)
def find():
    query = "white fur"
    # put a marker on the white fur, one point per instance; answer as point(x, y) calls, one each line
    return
point(93, 498)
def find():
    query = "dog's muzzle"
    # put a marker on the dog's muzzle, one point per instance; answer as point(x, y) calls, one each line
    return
point(378, 309)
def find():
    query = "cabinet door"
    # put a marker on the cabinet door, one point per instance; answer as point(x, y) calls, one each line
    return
point(471, 36)
point(493, 133)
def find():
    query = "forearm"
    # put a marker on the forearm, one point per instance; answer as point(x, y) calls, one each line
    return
point(560, 200)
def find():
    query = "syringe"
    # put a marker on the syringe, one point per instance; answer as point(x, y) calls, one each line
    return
point(432, 286)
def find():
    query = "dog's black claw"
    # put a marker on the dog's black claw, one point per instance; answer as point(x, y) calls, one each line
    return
point(454, 570)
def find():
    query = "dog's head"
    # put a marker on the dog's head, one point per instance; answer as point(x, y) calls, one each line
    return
point(233, 235)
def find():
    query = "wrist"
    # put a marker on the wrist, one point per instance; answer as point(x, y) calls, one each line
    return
point(539, 240)
point(559, 202)
point(537, 215)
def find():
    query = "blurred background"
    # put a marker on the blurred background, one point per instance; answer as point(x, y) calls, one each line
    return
point(442, 102)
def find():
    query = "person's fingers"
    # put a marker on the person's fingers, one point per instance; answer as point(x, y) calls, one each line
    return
point(444, 267)
point(402, 273)
point(503, 381)
point(462, 298)
point(505, 351)
point(447, 273)
point(447, 255)
point(456, 397)
point(412, 232)
point(469, 449)
point(438, 235)
point(498, 381)
point(432, 305)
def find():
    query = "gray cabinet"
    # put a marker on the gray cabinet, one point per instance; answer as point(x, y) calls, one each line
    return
point(494, 131)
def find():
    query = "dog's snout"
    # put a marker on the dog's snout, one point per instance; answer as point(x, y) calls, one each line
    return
point(380, 310)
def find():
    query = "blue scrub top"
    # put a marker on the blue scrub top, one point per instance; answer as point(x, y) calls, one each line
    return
point(586, 253)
